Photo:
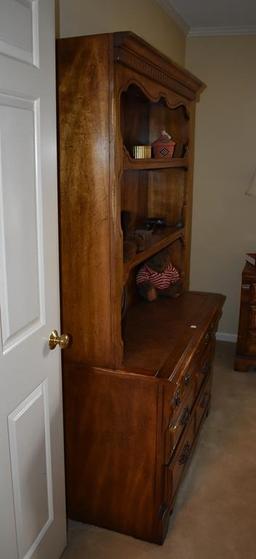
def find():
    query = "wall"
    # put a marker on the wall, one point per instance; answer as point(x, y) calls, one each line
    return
point(224, 218)
point(144, 17)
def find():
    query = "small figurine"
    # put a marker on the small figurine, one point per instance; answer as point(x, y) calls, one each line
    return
point(158, 277)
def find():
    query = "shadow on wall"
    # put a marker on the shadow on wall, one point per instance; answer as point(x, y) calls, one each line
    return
point(57, 18)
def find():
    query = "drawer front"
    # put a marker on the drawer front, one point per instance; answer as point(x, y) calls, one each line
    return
point(195, 375)
point(177, 425)
point(203, 403)
point(176, 468)
point(185, 385)
point(204, 365)
point(209, 337)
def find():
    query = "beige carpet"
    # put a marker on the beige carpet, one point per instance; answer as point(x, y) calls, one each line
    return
point(215, 515)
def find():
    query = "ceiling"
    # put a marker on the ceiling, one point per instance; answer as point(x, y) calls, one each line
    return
point(213, 17)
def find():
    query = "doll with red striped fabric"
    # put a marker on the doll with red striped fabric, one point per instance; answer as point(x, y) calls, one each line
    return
point(158, 277)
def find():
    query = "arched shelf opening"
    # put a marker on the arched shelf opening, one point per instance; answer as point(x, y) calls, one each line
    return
point(143, 117)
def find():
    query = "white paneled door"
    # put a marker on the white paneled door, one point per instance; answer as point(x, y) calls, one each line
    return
point(32, 503)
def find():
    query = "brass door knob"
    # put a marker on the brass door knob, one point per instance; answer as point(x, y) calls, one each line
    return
point(63, 341)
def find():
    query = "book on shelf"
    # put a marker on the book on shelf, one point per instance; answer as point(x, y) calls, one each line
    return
point(251, 258)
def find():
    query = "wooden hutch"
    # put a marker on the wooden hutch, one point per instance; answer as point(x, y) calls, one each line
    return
point(245, 358)
point(137, 388)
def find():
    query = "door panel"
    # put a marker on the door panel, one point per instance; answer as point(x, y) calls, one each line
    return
point(20, 235)
point(32, 505)
point(29, 434)
point(19, 29)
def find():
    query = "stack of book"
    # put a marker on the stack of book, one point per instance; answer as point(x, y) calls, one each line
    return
point(251, 258)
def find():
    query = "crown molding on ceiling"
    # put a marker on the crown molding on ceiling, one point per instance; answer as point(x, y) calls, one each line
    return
point(221, 31)
point(165, 4)
point(207, 31)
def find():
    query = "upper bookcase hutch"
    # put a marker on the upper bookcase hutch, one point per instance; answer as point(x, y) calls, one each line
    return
point(128, 375)
point(117, 91)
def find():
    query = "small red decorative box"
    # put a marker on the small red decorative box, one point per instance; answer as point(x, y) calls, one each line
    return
point(163, 147)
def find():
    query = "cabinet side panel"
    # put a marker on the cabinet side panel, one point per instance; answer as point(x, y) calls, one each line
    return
point(111, 450)
point(188, 201)
point(84, 81)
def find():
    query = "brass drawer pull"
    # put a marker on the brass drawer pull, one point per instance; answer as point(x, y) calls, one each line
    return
point(185, 454)
point(177, 397)
point(187, 378)
point(185, 416)
point(207, 338)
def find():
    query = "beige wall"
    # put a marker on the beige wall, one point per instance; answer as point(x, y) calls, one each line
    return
point(224, 218)
point(144, 17)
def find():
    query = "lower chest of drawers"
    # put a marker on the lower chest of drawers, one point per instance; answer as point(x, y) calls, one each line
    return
point(183, 437)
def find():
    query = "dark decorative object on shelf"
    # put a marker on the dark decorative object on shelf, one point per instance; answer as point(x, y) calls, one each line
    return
point(179, 224)
point(142, 238)
point(153, 222)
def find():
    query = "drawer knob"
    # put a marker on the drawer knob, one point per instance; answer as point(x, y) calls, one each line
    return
point(207, 337)
point(185, 454)
point(187, 379)
point(177, 398)
point(185, 416)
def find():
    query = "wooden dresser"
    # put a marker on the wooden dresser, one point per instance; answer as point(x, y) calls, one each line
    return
point(246, 342)
point(137, 377)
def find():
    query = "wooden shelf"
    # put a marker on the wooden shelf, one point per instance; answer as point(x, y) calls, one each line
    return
point(151, 164)
point(160, 239)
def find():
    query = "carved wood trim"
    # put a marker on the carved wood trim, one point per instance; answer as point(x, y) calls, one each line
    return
point(133, 52)
point(143, 67)
point(155, 98)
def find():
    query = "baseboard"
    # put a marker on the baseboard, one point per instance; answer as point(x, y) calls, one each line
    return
point(226, 337)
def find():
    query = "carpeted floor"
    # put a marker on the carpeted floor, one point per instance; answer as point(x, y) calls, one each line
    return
point(215, 514)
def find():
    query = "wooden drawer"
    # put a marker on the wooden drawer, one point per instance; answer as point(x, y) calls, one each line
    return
point(196, 373)
point(178, 424)
point(184, 386)
point(209, 337)
point(204, 365)
point(203, 402)
point(176, 468)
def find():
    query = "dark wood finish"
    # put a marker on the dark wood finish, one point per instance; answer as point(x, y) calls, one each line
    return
point(246, 341)
point(123, 468)
point(91, 275)
point(135, 390)
point(155, 337)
